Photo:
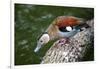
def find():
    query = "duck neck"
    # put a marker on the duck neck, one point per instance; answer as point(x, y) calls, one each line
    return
point(52, 32)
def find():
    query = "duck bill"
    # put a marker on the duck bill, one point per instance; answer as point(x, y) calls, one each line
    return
point(37, 48)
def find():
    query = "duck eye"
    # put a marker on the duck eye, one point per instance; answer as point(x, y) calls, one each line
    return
point(68, 28)
point(41, 41)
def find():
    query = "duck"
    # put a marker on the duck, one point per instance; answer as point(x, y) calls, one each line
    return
point(61, 27)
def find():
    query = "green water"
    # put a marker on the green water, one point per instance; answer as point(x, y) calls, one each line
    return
point(31, 21)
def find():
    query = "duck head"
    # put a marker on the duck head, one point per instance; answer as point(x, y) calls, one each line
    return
point(62, 26)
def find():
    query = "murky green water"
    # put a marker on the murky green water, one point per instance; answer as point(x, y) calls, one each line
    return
point(31, 21)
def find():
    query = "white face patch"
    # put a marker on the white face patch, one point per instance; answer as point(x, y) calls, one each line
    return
point(68, 28)
point(44, 39)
